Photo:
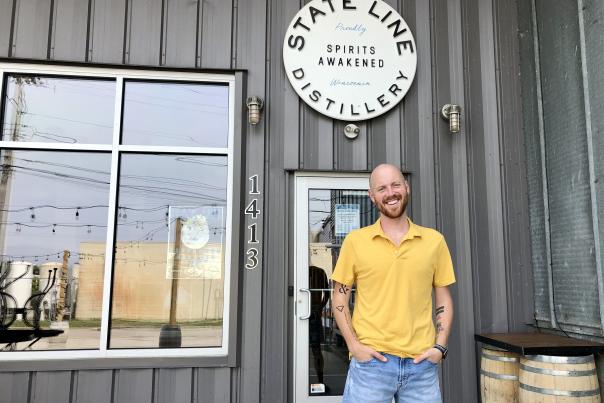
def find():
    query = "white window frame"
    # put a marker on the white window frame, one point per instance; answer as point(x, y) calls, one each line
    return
point(116, 149)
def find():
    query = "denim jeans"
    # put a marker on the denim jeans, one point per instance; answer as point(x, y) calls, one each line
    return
point(399, 378)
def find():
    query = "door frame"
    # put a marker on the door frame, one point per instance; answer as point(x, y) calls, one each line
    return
point(303, 182)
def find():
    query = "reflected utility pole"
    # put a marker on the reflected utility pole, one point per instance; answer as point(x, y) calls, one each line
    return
point(7, 159)
point(170, 335)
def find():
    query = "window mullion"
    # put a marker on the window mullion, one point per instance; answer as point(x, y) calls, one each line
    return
point(109, 247)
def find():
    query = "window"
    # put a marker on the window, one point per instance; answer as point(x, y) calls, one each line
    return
point(116, 203)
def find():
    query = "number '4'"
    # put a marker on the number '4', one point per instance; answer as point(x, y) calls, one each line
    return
point(252, 208)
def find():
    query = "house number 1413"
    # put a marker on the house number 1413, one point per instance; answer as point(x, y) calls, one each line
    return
point(253, 211)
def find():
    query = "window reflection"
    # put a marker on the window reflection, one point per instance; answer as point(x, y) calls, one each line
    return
point(175, 114)
point(58, 110)
point(52, 236)
point(169, 256)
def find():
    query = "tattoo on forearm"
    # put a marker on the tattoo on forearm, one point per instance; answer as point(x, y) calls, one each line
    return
point(440, 309)
point(343, 289)
point(439, 327)
point(340, 308)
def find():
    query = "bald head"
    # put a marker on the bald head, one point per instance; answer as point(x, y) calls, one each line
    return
point(384, 170)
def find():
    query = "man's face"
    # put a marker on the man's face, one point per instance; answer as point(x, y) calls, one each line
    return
point(389, 191)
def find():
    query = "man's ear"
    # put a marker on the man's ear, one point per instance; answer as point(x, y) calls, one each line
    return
point(370, 194)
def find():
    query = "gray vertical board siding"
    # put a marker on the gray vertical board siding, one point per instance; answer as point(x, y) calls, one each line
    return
point(452, 198)
point(351, 154)
point(573, 259)
point(489, 276)
point(143, 32)
point(69, 30)
point(216, 33)
point(180, 33)
point(515, 202)
point(173, 385)
point(107, 31)
point(251, 53)
point(285, 105)
point(491, 154)
point(14, 387)
point(530, 116)
point(93, 386)
point(51, 387)
point(282, 152)
point(6, 18)
point(31, 28)
point(385, 142)
point(317, 138)
point(594, 43)
point(419, 117)
point(211, 385)
point(133, 386)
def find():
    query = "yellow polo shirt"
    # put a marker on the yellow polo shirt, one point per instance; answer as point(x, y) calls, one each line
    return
point(393, 302)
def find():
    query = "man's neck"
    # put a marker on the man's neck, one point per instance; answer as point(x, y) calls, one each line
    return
point(395, 228)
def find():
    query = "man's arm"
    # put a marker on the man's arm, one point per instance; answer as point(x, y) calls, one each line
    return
point(340, 299)
point(444, 320)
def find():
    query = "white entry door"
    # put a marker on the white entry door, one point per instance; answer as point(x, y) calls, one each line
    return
point(327, 207)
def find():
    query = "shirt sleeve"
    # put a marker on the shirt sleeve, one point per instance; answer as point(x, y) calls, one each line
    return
point(444, 274)
point(344, 271)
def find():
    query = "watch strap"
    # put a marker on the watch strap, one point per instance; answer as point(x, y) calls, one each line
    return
point(444, 350)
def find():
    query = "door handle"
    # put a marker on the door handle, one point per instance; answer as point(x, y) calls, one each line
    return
point(307, 291)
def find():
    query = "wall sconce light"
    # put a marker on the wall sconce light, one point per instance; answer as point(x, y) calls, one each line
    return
point(452, 113)
point(254, 108)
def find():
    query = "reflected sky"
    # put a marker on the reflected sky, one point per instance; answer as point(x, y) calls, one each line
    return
point(41, 215)
point(175, 114)
point(58, 110)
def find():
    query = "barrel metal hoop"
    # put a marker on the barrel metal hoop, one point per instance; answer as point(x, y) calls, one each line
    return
point(499, 358)
point(561, 360)
point(504, 377)
point(554, 392)
point(557, 372)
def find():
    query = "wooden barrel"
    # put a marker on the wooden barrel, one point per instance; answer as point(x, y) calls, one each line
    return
point(546, 379)
point(498, 376)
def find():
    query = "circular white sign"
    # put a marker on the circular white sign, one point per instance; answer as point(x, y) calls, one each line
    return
point(350, 59)
point(195, 232)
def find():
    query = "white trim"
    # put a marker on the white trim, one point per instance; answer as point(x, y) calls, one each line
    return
point(119, 75)
point(118, 353)
point(304, 181)
point(107, 277)
point(179, 149)
point(55, 146)
point(106, 72)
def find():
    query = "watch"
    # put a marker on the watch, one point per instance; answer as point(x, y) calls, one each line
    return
point(444, 350)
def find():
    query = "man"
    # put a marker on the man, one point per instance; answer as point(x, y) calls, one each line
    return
point(395, 264)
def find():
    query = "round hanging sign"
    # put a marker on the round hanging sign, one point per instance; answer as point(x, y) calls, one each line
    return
point(350, 59)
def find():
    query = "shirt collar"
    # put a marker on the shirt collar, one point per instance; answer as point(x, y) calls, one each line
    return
point(414, 230)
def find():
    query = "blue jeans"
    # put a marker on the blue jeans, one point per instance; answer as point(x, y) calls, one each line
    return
point(398, 378)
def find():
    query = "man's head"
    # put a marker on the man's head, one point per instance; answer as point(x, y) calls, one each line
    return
point(389, 190)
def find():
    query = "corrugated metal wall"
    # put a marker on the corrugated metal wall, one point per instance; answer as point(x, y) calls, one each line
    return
point(470, 185)
point(562, 87)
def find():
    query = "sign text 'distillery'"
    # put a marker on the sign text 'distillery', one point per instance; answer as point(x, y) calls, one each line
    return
point(350, 59)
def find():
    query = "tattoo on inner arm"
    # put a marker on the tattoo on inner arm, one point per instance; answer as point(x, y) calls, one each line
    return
point(340, 308)
point(439, 327)
point(440, 309)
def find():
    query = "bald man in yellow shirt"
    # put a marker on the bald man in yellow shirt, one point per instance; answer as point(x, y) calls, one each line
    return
point(395, 265)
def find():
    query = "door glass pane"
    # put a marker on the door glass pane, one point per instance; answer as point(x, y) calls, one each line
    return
point(53, 235)
point(175, 114)
point(168, 282)
point(332, 215)
point(58, 110)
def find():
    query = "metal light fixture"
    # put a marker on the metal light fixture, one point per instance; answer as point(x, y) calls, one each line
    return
point(452, 113)
point(254, 107)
